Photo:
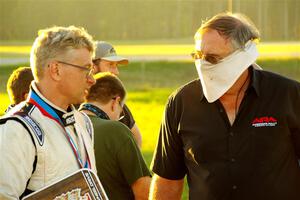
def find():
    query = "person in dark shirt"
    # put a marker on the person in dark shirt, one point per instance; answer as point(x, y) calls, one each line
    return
point(121, 166)
point(107, 60)
point(235, 131)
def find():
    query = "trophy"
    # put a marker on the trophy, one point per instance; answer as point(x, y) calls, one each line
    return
point(81, 185)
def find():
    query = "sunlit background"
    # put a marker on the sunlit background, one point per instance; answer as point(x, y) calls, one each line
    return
point(129, 20)
point(132, 24)
point(157, 37)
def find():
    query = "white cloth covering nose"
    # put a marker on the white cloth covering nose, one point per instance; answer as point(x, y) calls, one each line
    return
point(217, 79)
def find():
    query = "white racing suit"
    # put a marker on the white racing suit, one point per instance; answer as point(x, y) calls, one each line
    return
point(33, 159)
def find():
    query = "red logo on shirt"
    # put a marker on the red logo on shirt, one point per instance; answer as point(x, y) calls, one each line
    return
point(264, 121)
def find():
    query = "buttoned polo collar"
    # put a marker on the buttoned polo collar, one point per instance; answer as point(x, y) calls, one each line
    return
point(255, 81)
point(201, 90)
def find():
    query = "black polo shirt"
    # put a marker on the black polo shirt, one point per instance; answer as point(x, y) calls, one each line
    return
point(254, 159)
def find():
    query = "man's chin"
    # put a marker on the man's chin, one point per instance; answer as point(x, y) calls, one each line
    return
point(78, 102)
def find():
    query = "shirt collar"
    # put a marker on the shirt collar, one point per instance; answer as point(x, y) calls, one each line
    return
point(201, 90)
point(254, 82)
point(66, 117)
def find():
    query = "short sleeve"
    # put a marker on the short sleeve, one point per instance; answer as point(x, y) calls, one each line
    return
point(131, 161)
point(168, 159)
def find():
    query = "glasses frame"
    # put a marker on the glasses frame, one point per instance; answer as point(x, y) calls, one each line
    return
point(213, 59)
point(122, 114)
point(90, 68)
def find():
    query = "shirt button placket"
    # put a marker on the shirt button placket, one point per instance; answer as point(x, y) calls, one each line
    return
point(232, 159)
point(231, 145)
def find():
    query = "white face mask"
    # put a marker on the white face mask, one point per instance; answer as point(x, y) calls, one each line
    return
point(217, 79)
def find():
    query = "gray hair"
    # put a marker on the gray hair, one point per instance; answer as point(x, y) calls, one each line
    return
point(55, 41)
point(237, 27)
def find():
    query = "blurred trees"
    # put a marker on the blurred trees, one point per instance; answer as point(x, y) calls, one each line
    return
point(143, 19)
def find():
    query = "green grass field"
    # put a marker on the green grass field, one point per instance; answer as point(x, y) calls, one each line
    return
point(150, 83)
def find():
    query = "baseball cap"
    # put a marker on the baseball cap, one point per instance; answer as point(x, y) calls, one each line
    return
point(105, 51)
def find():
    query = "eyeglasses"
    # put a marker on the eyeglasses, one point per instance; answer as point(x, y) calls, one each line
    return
point(211, 58)
point(89, 68)
point(122, 114)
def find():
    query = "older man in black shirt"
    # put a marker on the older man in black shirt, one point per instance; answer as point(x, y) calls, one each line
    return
point(235, 132)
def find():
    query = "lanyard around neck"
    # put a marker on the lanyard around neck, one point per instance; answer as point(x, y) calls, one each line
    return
point(47, 111)
point(94, 109)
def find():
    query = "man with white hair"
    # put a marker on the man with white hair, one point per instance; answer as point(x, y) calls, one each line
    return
point(45, 138)
point(235, 131)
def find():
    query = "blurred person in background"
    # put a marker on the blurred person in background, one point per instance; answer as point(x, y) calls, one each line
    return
point(18, 85)
point(107, 60)
point(35, 138)
point(235, 131)
point(121, 167)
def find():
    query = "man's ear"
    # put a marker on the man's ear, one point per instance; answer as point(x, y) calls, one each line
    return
point(25, 95)
point(54, 70)
point(113, 104)
point(96, 68)
point(116, 102)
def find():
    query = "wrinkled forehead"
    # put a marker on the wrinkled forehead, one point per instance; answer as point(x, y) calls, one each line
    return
point(210, 40)
point(198, 37)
